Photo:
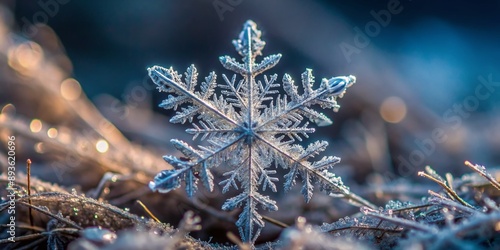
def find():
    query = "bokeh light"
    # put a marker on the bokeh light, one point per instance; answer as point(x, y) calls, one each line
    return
point(70, 89)
point(52, 133)
point(393, 109)
point(8, 110)
point(64, 135)
point(102, 146)
point(25, 57)
point(40, 148)
point(36, 126)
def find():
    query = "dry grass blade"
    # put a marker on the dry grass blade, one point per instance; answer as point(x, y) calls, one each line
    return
point(432, 175)
point(148, 211)
point(28, 171)
point(398, 221)
point(482, 171)
point(275, 222)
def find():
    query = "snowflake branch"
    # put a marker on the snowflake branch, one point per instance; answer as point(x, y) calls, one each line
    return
point(233, 92)
point(335, 87)
point(156, 72)
point(346, 194)
point(269, 84)
point(207, 130)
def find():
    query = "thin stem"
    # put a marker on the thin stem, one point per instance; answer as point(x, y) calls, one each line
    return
point(275, 222)
point(233, 238)
point(402, 222)
point(148, 211)
point(64, 220)
point(449, 191)
point(28, 166)
point(482, 172)
point(366, 228)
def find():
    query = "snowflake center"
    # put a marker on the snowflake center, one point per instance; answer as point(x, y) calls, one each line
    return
point(249, 130)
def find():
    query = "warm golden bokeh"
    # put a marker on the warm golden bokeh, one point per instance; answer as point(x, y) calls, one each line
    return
point(393, 109)
point(70, 89)
point(52, 133)
point(25, 57)
point(35, 126)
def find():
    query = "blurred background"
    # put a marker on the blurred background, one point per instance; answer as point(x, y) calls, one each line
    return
point(427, 91)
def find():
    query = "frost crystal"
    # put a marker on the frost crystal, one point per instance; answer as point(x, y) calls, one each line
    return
point(250, 129)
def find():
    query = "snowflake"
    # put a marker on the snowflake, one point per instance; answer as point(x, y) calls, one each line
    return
point(250, 129)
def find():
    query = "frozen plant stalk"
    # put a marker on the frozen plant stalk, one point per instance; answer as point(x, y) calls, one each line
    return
point(250, 129)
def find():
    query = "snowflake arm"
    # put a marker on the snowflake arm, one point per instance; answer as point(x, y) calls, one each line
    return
point(168, 180)
point(325, 96)
point(169, 81)
point(306, 169)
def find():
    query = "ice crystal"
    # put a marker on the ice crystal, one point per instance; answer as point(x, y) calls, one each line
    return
point(250, 129)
